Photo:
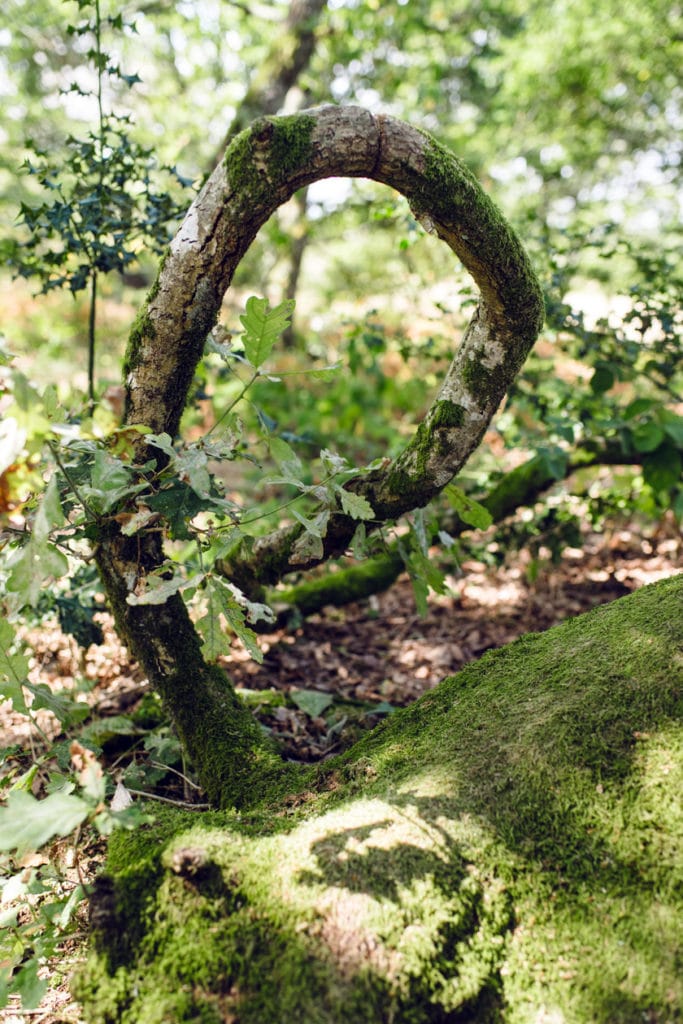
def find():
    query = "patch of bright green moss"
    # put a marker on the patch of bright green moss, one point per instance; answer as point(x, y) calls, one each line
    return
point(142, 328)
point(453, 193)
point(340, 588)
point(286, 145)
point(506, 850)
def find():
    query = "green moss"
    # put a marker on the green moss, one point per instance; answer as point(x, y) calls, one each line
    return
point(507, 849)
point(454, 197)
point(446, 414)
point(290, 144)
point(342, 587)
point(483, 383)
point(142, 328)
point(142, 325)
point(407, 480)
point(520, 485)
point(452, 185)
point(154, 290)
point(286, 144)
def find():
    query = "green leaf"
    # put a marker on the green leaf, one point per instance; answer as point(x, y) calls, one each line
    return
point(157, 590)
point(216, 642)
point(603, 378)
point(647, 436)
point(69, 907)
point(316, 527)
point(662, 468)
point(420, 592)
point(637, 407)
point(29, 986)
point(49, 516)
point(672, 424)
point(178, 503)
point(355, 505)
point(263, 326)
point(554, 460)
point(61, 707)
point(137, 521)
point(110, 482)
point(38, 561)
point(333, 462)
point(311, 701)
point(101, 730)
point(13, 668)
point(27, 823)
point(223, 603)
point(286, 458)
point(164, 442)
point(470, 511)
point(236, 621)
point(307, 547)
point(359, 542)
point(191, 467)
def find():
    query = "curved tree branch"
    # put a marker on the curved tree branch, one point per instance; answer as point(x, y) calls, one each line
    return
point(519, 488)
point(262, 168)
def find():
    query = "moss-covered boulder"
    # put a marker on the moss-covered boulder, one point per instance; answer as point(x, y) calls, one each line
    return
point(508, 849)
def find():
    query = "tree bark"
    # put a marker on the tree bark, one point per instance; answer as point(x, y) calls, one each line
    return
point(262, 168)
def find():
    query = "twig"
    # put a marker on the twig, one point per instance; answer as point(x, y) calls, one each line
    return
point(167, 767)
point(168, 800)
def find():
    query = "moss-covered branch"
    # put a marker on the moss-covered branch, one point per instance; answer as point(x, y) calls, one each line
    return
point(508, 845)
point(263, 167)
point(219, 734)
point(517, 489)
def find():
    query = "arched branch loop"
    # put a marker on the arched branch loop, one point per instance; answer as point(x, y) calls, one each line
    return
point(262, 169)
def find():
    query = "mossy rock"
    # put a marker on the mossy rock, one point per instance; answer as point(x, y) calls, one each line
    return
point(508, 849)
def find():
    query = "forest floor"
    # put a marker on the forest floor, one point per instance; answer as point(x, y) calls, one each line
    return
point(337, 673)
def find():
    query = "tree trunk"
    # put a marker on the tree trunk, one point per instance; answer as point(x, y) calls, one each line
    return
point(263, 167)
